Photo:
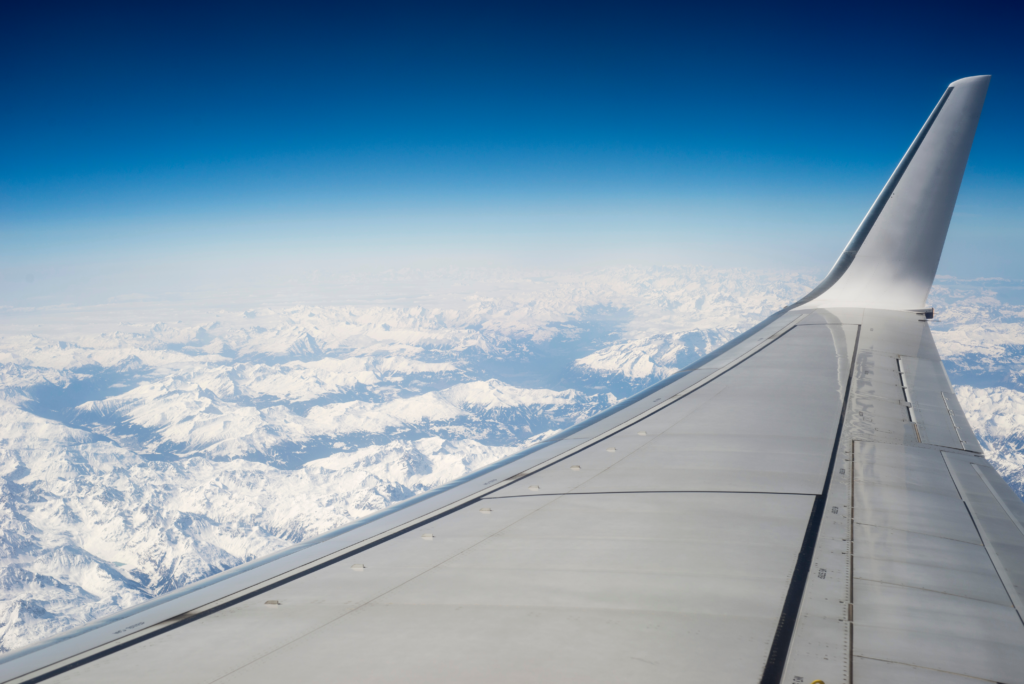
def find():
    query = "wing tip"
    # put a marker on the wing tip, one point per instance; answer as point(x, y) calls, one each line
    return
point(971, 80)
point(902, 279)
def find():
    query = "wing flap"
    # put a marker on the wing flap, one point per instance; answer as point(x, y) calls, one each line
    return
point(927, 562)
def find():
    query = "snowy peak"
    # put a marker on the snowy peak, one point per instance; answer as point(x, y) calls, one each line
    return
point(141, 454)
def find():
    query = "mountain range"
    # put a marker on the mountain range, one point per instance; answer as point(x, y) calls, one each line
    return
point(149, 444)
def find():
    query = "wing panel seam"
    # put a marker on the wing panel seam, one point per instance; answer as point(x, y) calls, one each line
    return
point(776, 664)
point(997, 564)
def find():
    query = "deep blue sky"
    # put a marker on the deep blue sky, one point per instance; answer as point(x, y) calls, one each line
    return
point(196, 139)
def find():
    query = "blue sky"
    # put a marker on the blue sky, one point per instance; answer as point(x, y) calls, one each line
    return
point(159, 145)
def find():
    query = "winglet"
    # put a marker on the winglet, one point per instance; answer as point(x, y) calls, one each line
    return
point(891, 259)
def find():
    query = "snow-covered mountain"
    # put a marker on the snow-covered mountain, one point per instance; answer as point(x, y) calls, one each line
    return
point(981, 338)
point(145, 445)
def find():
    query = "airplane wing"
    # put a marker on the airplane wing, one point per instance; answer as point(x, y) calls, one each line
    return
point(806, 504)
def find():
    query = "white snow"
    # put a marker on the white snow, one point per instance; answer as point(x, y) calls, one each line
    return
point(147, 445)
point(997, 416)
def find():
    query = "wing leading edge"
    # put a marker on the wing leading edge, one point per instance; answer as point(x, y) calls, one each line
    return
point(806, 502)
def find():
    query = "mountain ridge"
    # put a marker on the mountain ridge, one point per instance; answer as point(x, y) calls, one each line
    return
point(145, 448)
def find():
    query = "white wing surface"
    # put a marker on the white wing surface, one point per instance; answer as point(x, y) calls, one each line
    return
point(807, 503)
